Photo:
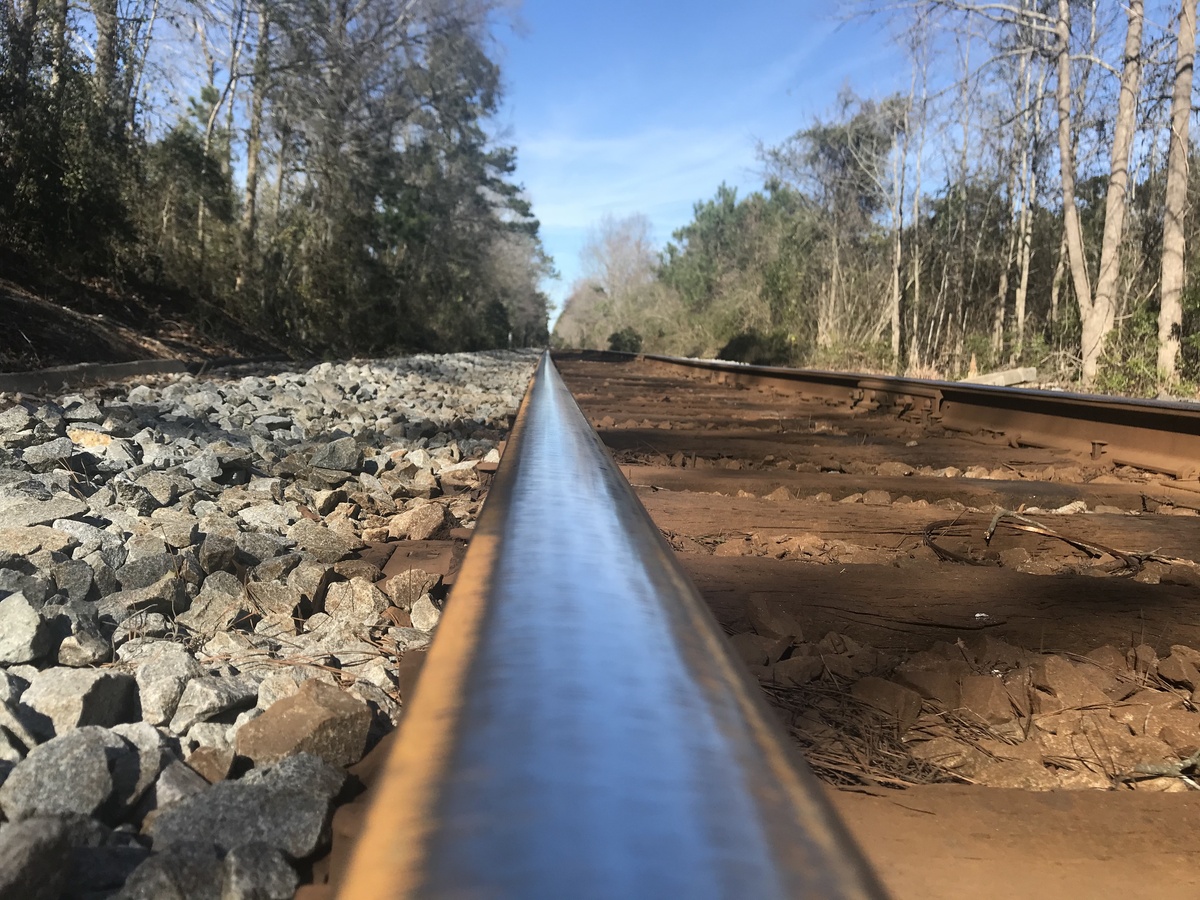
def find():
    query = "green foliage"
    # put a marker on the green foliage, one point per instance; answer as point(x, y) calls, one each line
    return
point(1129, 365)
point(876, 357)
point(63, 174)
point(1189, 362)
point(843, 159)
point(774, 349)
point(625, 341)
point(391, 223)
point(744, 267)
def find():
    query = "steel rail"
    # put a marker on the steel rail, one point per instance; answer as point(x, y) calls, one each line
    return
point(581, 727)
point(1160, 436)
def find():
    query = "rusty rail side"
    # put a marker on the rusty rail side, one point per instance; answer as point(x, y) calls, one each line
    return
point(581, 728)
point(1160, 436)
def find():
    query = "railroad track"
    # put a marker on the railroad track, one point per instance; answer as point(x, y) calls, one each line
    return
point(899, 563)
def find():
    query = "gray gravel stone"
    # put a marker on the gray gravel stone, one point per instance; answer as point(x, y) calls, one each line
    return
point(84, 409)
point(15, 418)
point(29, 539)
point(145, 570)
point(24, 635)
point(162, 487)
point(254, 547)
point(221, 602)
point(185, 871)
point(153, 755)
point(425, 614)
point(11, 687)
point(43, 512)
point(99, 871)
point(77, 632)
point(175, 782)
point(60, 699)
point(409, 638)
point(134, 498)
point(41, 457)
point(139, 544)
point(272, 516)
point(11, 752)
point(213, 735)
point(177, 531)
point(36, 588)
point(286, 682)
point(419, 523)
point(276, 568)
point(325, 502)
point(13, 721)
point(161, 679)
point(74, 577)
point(90, 539)
point(167, 595)
point(85, 646)
point(272, 599)
point(142, 624)
point(217, 553)
point(355, 602)
point(257, 871)
point(211, 695)
point(409, 586)
point(35, 857)
point(285, 807)
point(311, 579)
point(205, 465)
point(342, 455)
point(81, 772)
point(325, 545)
point(103, 575)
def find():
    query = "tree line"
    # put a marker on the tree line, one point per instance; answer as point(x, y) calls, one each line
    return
point(1026, 200)
point(322, 172)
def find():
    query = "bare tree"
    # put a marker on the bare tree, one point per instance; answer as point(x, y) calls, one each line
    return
point(233, 22)
point(106, 55)
point(1097, 310)
point(254, 133)
point(1170, 316)
point(619, 256)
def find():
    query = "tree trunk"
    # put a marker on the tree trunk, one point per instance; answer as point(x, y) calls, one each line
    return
point(1170, 315)
point(254, 145)
point(914, 336)
point(58, 42)
point(1018, 204)
point(1099, 322)
point(136, 66)
point(1066, 153)
point(22, 26)
point(105, 76)
point(1002, 288)
point(827, 310)
point(281, 164)
point(1056, 281)
point(897, 262)
point(237, 38)
point(1025, 256)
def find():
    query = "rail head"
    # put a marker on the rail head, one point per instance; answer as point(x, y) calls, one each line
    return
point(580, 728)
point(1157, 435)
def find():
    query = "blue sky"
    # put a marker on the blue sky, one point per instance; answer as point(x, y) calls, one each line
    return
point(624, 107)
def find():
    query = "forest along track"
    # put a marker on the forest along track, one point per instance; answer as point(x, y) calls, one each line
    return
point(844, 552)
